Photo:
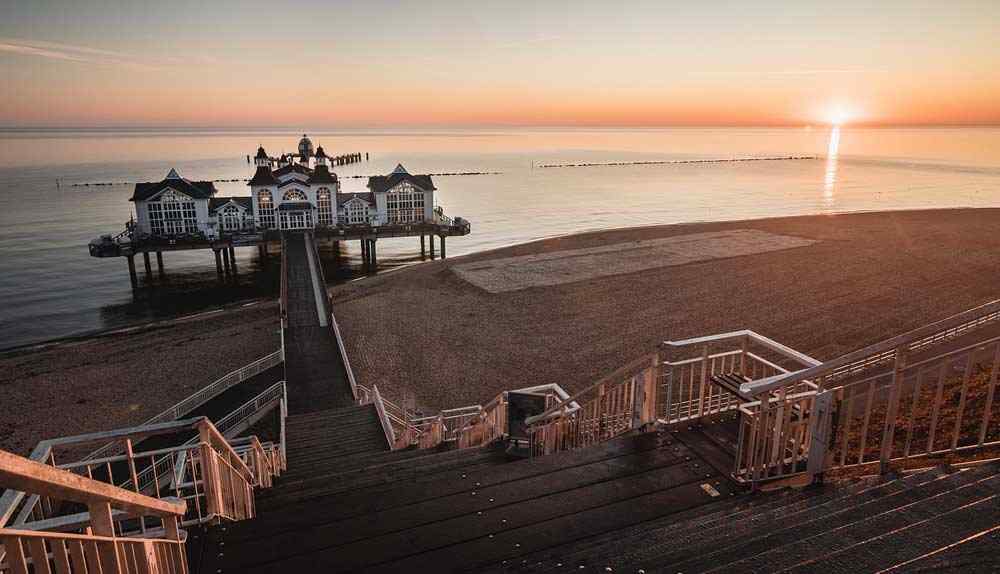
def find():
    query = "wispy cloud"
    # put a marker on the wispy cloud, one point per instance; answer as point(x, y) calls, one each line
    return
point(84, 54)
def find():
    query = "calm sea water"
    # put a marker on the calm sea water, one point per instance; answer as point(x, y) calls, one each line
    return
point(51, 288)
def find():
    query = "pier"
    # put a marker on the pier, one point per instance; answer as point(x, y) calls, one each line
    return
point(289, 193)
point(224, 248)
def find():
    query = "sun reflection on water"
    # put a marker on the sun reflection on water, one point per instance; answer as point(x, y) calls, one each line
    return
point(830, 178)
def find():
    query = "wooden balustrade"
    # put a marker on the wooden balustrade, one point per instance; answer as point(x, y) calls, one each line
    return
point(101, 549)
point(623, 401)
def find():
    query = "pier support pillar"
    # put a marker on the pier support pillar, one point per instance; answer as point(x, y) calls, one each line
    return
point(145, 260)
point(432, 245)
point(131, 271)
point(225, 260)
point(443, 253)
point(364, 252)
point(232, 259)
point(373, 254)
point(159, 262)
point(422, 248)
point(218, 262)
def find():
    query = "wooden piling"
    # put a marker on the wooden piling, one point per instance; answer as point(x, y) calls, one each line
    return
point(159, 262)
point(422, 249)
point(225, 260)
point(218, 262)
point(232, 259)
point(432, 245)
point(373, 254)
point(131, 271)
point(443, 253)
point(145, 260)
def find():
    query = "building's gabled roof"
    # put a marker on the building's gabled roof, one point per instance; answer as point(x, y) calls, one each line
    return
point(382, 183)
point(322, 175)
point(293, 181)
point(366, 196)
point(194, 189)
point(263, 176)
point(217, 202)
point(294, 206)
point(287, 169)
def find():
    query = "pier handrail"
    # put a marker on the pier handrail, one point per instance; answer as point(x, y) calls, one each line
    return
point(328, 306)
point(390, 434)
point(101, 545)
point(565, 404)
point(884, 351)
point(205, 394)
point(753, 336)
point(43, 453)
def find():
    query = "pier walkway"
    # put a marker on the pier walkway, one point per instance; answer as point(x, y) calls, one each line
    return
point(316, 370)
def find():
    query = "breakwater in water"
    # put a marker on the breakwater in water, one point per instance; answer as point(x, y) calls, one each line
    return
point(244, 180)
point(680, 161)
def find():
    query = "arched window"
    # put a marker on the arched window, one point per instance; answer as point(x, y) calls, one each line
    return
point(172, 213)
point(265, 208)
point(324, 207)
point(293, 195)
point(405, 203)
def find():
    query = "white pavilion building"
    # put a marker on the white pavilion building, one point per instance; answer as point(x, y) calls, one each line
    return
point(293, 191)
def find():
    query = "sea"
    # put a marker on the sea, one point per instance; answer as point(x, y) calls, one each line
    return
point(61, 188)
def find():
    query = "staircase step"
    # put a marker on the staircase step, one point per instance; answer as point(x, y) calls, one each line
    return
point(836, 514)
point(927, 525)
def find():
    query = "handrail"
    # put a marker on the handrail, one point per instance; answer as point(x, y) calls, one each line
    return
point(644, 361)
point(206, 394)
point(754, 336)
point(913, 340)
point(390, 435)
point(26, 475)
point(283, 293)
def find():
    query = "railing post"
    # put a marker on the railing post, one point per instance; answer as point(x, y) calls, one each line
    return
point(103, 525)
point(744, 346)
point(211, 479)
point(889, 429)
point(820, 426)
point(704, 381)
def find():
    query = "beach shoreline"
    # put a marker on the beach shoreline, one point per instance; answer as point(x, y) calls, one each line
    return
point(422, 330)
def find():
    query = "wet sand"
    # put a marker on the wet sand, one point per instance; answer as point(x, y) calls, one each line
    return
point(426, 331)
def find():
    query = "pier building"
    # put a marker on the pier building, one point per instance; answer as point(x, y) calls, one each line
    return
point(290, 192)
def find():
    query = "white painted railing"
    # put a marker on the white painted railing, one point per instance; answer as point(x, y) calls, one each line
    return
point(202, 396)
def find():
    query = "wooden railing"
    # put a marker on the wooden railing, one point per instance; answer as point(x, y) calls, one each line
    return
point(623, 401)
point(202, 396)
point(915, 399)
point(487, 426)
point(215, 480)
point(688, 390)
point(101, 548)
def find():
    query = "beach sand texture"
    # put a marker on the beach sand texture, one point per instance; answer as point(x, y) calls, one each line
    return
point(572, 265)
point(428, 332)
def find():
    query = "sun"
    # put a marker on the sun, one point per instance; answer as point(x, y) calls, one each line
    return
point(840, 114)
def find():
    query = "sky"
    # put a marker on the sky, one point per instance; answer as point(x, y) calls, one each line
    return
point(375, 63)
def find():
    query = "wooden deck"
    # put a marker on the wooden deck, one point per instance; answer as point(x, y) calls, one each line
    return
point(470, 509)
point(315, 371)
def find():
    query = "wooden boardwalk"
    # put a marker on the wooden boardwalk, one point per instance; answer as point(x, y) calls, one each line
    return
point(315, 371)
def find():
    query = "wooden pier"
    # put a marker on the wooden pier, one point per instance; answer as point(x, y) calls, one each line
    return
point(224, 247)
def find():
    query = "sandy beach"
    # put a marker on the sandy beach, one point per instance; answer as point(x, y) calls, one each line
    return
point(822, 284)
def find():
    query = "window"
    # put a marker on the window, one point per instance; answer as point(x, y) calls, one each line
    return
point(323, 204)
point(293, 195)
point(230, 218)
point(405, 204)
point(265, 208)
point(172, 213)
point(357, 212)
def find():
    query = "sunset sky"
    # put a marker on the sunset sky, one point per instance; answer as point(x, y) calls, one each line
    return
point(464, 63)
